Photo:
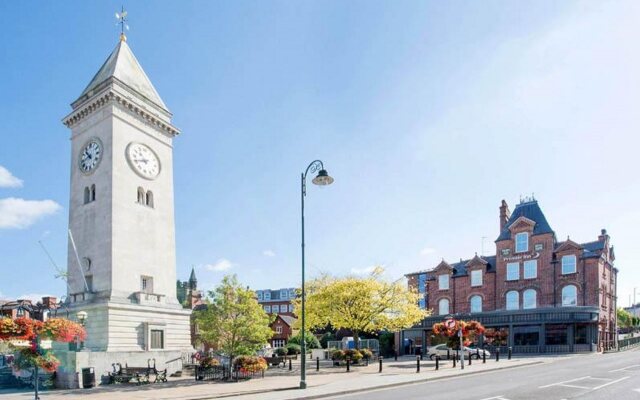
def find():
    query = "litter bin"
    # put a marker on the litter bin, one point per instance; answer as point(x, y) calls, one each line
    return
point(88, 378)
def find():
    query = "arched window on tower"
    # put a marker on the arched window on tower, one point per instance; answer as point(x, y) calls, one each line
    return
point(150, 198)
point(87, 197)
point(140, 195)
point(93, 192)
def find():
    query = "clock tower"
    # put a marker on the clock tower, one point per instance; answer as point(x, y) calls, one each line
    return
point(121, 257)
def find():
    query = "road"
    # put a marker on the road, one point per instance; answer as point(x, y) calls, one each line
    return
point(606, 376)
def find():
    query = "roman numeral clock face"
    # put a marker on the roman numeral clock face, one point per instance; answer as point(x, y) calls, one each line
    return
point(143, 160)
point(90, 156)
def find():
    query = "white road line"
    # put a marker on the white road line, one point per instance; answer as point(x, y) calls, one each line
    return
point(610, 383)
point(495, 398)
point(563, 382)
point(625, 368)
point(576, 386)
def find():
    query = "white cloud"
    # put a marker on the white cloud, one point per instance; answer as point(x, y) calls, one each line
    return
point(427, 250)
point(8, 180)
point(363, 271)
point(269, 253)
point(221, 265)
point(20, 213)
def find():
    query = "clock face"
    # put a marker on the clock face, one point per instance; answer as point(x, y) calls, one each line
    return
point(90, 156)
point(143, 160)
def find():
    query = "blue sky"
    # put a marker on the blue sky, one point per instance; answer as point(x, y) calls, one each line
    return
point(426, 113)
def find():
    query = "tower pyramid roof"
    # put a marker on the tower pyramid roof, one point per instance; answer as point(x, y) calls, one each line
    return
point(123, 66)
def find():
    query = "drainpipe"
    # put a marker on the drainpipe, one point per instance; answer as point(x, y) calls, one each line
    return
point(584, 283)
point(555, 285)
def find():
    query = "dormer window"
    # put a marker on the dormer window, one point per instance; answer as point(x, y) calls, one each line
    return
point(476, 278)
point(568, 264)
point(522, 242)
point(443, 282)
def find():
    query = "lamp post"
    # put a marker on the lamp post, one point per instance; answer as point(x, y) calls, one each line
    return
point(82, 317)
point(321, 179)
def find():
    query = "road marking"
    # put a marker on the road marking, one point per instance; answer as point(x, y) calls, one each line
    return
point(495, 398)
point(625, 368)
point(563, 382)
point(610, 383)
point(576, 386)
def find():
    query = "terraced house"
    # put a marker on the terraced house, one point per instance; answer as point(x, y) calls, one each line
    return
point(536, 294)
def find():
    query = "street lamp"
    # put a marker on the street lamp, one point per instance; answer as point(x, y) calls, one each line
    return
point(321, 179)
point(82, 317)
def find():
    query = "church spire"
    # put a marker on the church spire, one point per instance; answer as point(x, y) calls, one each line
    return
point(193, 281)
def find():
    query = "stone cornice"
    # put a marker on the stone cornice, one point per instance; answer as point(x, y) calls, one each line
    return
point(111, 96)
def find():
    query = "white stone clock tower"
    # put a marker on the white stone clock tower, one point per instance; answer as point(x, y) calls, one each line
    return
point(121, 219)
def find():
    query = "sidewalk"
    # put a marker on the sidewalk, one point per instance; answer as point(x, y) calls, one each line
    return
point(283, 384)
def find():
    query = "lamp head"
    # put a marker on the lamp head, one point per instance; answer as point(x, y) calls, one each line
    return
point(323, 178)
point(82, 316)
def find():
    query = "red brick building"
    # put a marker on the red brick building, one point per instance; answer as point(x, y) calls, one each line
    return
point(27, 309)
point(280, 303)
point(541, 294)
point(282, 330)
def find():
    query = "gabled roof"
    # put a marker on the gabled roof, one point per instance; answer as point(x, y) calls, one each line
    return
point(289, 320)
point(530, 210)
point(123, 66)
point(460, 267)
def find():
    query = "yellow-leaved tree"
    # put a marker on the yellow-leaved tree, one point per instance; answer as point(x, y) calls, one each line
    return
point(360, 304)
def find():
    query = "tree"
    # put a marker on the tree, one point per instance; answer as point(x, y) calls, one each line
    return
point(625, 318)
point(233, 320)
point(363, 305)
point(311, 342)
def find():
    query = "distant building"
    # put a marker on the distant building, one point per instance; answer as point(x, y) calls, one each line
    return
point(280, 303)
point(634, 310)
point(40, 311)
point(536, 293)
point(187, 292)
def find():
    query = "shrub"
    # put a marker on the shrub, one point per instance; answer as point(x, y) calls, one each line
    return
point(366, 354)
point(293, 349)
point(311, 341)
point(281, 352)
point(337, 355)
point(208, 362)
point(250, 364)
point(353, 354)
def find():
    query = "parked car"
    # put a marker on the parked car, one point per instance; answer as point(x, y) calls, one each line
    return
point(441, 350)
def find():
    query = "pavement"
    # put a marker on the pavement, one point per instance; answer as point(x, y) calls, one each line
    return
point(282, 384)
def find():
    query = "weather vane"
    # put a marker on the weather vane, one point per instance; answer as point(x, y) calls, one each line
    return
point(122, 21)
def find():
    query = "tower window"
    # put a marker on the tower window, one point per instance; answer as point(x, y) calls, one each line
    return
point(149, 200)
point(140, 195)
point(87, 195)
point(93, 192)
point(146, 284)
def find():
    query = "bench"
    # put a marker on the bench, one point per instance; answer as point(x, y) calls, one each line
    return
point(141, 375)
point(276, 361)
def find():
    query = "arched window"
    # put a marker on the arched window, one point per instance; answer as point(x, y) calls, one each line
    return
point(87, 195)
point(150, 198)
point(569, 296)
point(93, 192)
point(140, 195)
point(476, 303)
point(529, 299)
point(443, 307)
point(513, 302)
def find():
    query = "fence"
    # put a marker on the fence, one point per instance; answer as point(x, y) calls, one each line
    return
point(371, 344)
point(624, 344)
point(224, 373)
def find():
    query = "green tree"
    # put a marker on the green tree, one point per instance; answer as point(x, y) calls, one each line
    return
point(625, 318)
point(233, 320)
point(360, 304)
point(310, 340)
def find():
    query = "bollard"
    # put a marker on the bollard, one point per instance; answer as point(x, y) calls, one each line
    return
point(396, 356)
point(437, 362)
point(469, 358)
point(418, 364)
point(421, 356)
point(289, 364)
point(477, 353)
point(454, 362)
point(317, 363)
point(484, 357)
point(380, 364)
point(448, 356)
point(509, 354)
point(497, 354)
point(348, 364)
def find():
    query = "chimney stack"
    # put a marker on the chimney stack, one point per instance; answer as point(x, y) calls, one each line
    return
point(504, 215)
point(49, 302)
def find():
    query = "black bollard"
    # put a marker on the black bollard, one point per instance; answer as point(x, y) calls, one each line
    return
point(380, 364)
point(469, 358)
point(437, 362)
point(317, 363)
point(497, 354)
point(454, 362)
point(348, 364)
point(477, 353)
point(448, 355)
point(484, 357)
point(418, 364)
point(421, 356)
point(396, 356)
point(289, 364)
point(509, 354)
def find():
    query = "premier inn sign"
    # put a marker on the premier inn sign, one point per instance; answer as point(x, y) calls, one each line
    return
point(520, 257)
